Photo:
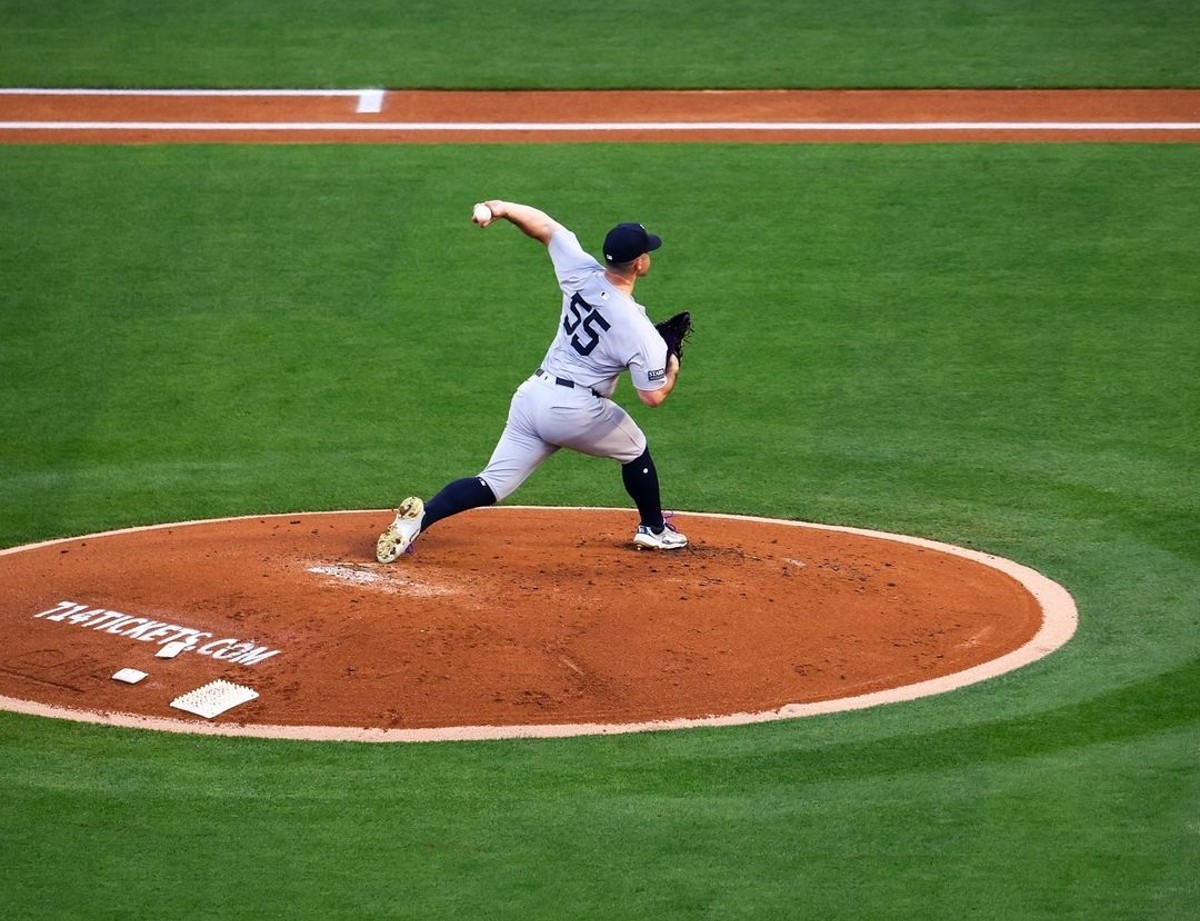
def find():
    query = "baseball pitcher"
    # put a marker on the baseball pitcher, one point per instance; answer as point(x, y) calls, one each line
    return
point(602, 332)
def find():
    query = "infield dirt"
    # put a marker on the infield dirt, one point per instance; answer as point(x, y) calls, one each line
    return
point(562, 116)
point(501, 617)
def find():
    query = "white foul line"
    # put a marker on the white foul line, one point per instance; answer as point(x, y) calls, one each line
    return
point(494, 127)
point(81, 91)
point(369, 100)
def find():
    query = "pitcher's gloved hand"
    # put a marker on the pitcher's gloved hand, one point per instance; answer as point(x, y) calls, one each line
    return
point(676, 331)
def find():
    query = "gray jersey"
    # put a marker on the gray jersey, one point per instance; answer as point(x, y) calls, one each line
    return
point(602, 331)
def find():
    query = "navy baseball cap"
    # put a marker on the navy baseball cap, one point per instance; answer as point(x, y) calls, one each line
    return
point(626, 242)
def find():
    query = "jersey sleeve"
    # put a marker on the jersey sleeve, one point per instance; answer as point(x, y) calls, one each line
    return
point(571, 263)
point(648, 367)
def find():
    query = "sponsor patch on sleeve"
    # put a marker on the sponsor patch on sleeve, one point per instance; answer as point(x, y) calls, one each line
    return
point(658, 375)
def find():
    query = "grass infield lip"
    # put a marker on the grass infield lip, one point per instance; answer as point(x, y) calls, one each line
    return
point(1059, 622)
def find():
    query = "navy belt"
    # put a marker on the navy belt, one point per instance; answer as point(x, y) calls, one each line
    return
point(563, 382)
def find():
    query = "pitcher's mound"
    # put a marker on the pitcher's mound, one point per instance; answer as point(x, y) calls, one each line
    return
point(505, 621)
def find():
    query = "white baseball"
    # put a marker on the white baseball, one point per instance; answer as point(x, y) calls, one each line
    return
point(482, 214)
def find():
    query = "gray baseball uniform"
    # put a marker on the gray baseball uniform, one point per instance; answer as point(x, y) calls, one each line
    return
point(601, 332)
point(567, 403)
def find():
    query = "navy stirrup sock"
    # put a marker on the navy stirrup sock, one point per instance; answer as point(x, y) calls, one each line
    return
point(641, 482)
point(467, 493)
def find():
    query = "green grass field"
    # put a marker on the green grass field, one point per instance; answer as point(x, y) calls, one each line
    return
point(993, 345)
point(703, 44)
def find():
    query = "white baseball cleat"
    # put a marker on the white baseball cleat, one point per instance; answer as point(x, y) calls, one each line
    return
point(401, 532)
point(667, 539)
